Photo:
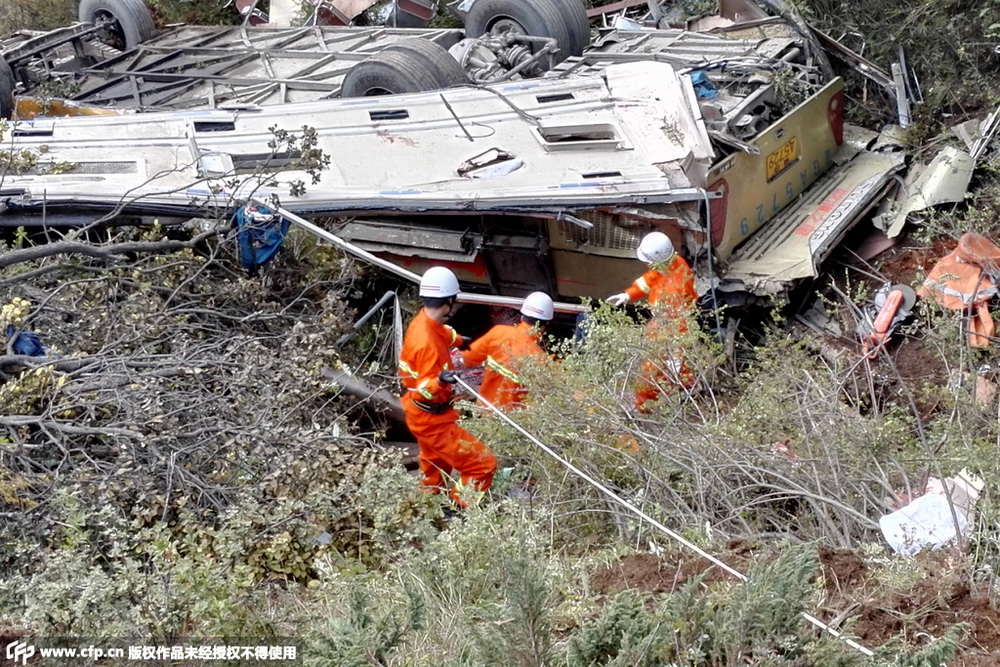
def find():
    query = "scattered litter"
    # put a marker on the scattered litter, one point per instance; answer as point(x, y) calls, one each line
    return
point(928, 521)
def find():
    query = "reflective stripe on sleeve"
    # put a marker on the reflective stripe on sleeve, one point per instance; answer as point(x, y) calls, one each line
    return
point(497, 367)
point(642, 284)
point(983, 294)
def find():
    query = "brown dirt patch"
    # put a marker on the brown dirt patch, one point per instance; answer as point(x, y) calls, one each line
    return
point(843, 571)
point(875, 613)
point(909, 262)
point(943, 598)
point(649, 573)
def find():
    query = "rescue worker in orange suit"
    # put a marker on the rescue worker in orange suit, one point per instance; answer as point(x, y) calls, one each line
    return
point(502, 345)
point(669, 286)
point(428, 378)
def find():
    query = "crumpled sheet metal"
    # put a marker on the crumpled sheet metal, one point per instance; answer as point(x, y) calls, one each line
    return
point(945, 180)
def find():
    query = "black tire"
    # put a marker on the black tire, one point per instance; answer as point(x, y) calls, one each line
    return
point(388, 73)
point(575, 12)
point(6, 90)
point(129, 22)
point(537, 18)
point(445, 70)
point(405, 20)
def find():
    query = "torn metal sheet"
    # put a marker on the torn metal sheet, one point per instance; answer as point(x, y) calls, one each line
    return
point(892, 137)
point(968, 132)
point(945, 180)
point(902, 97)
point(988, 130)
point(863, 66)
point(856, 139)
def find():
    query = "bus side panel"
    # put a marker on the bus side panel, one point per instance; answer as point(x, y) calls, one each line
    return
point(794, 152)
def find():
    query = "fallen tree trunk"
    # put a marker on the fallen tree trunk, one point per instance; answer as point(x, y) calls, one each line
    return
point(379, 400)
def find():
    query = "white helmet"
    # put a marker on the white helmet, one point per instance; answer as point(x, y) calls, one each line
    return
point(438, 281)
point(538, 305)
point(655, 248)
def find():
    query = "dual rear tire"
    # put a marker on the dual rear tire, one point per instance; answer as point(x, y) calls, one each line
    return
point(127, 23)
point(416, 65)
point(563, 20)
point(410, 66)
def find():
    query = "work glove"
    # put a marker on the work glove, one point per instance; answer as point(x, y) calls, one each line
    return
point(464, 342)
point(448, 377)
point(618, 299)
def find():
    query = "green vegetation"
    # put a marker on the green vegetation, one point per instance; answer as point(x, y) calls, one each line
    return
point(32, 15)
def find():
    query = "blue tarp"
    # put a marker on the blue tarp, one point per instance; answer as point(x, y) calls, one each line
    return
point(703, 86)
point(26, 342)
point(260, 235)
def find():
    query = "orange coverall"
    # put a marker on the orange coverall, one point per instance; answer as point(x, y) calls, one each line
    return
point(444, 445)
point(501, 385)
point(672, 294)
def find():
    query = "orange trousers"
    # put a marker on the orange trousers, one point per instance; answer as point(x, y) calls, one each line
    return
point(660, 378)
point(666, 374)
point(446, 447)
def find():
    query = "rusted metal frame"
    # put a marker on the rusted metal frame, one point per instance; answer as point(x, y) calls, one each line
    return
point(265, 61)
point(135, 90)
point(170, 61)
point(251, 96)
point(283, 44)
point(38, 45)
point(155, 76)
point(860, 64)
point(235, 81)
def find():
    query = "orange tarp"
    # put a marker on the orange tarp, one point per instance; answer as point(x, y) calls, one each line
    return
point(966, 279)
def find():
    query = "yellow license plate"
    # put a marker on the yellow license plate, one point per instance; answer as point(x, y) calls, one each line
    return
point(779, 160)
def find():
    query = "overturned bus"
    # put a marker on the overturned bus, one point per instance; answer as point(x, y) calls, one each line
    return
point(734, 144)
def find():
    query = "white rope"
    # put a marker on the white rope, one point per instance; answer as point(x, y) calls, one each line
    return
point(632, 508)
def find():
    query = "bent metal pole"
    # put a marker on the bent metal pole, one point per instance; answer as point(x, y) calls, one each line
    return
point(350, 248)
point(638, 512)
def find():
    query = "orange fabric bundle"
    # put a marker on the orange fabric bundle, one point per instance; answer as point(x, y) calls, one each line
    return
point(965, 279)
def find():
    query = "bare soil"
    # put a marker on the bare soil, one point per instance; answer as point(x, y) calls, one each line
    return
point(855, 597)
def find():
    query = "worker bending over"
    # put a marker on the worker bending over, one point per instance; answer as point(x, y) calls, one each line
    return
point(669, 286)
point(427, 375)
point(504, 344)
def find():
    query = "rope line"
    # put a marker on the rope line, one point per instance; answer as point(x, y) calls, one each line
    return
point(638, 512)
